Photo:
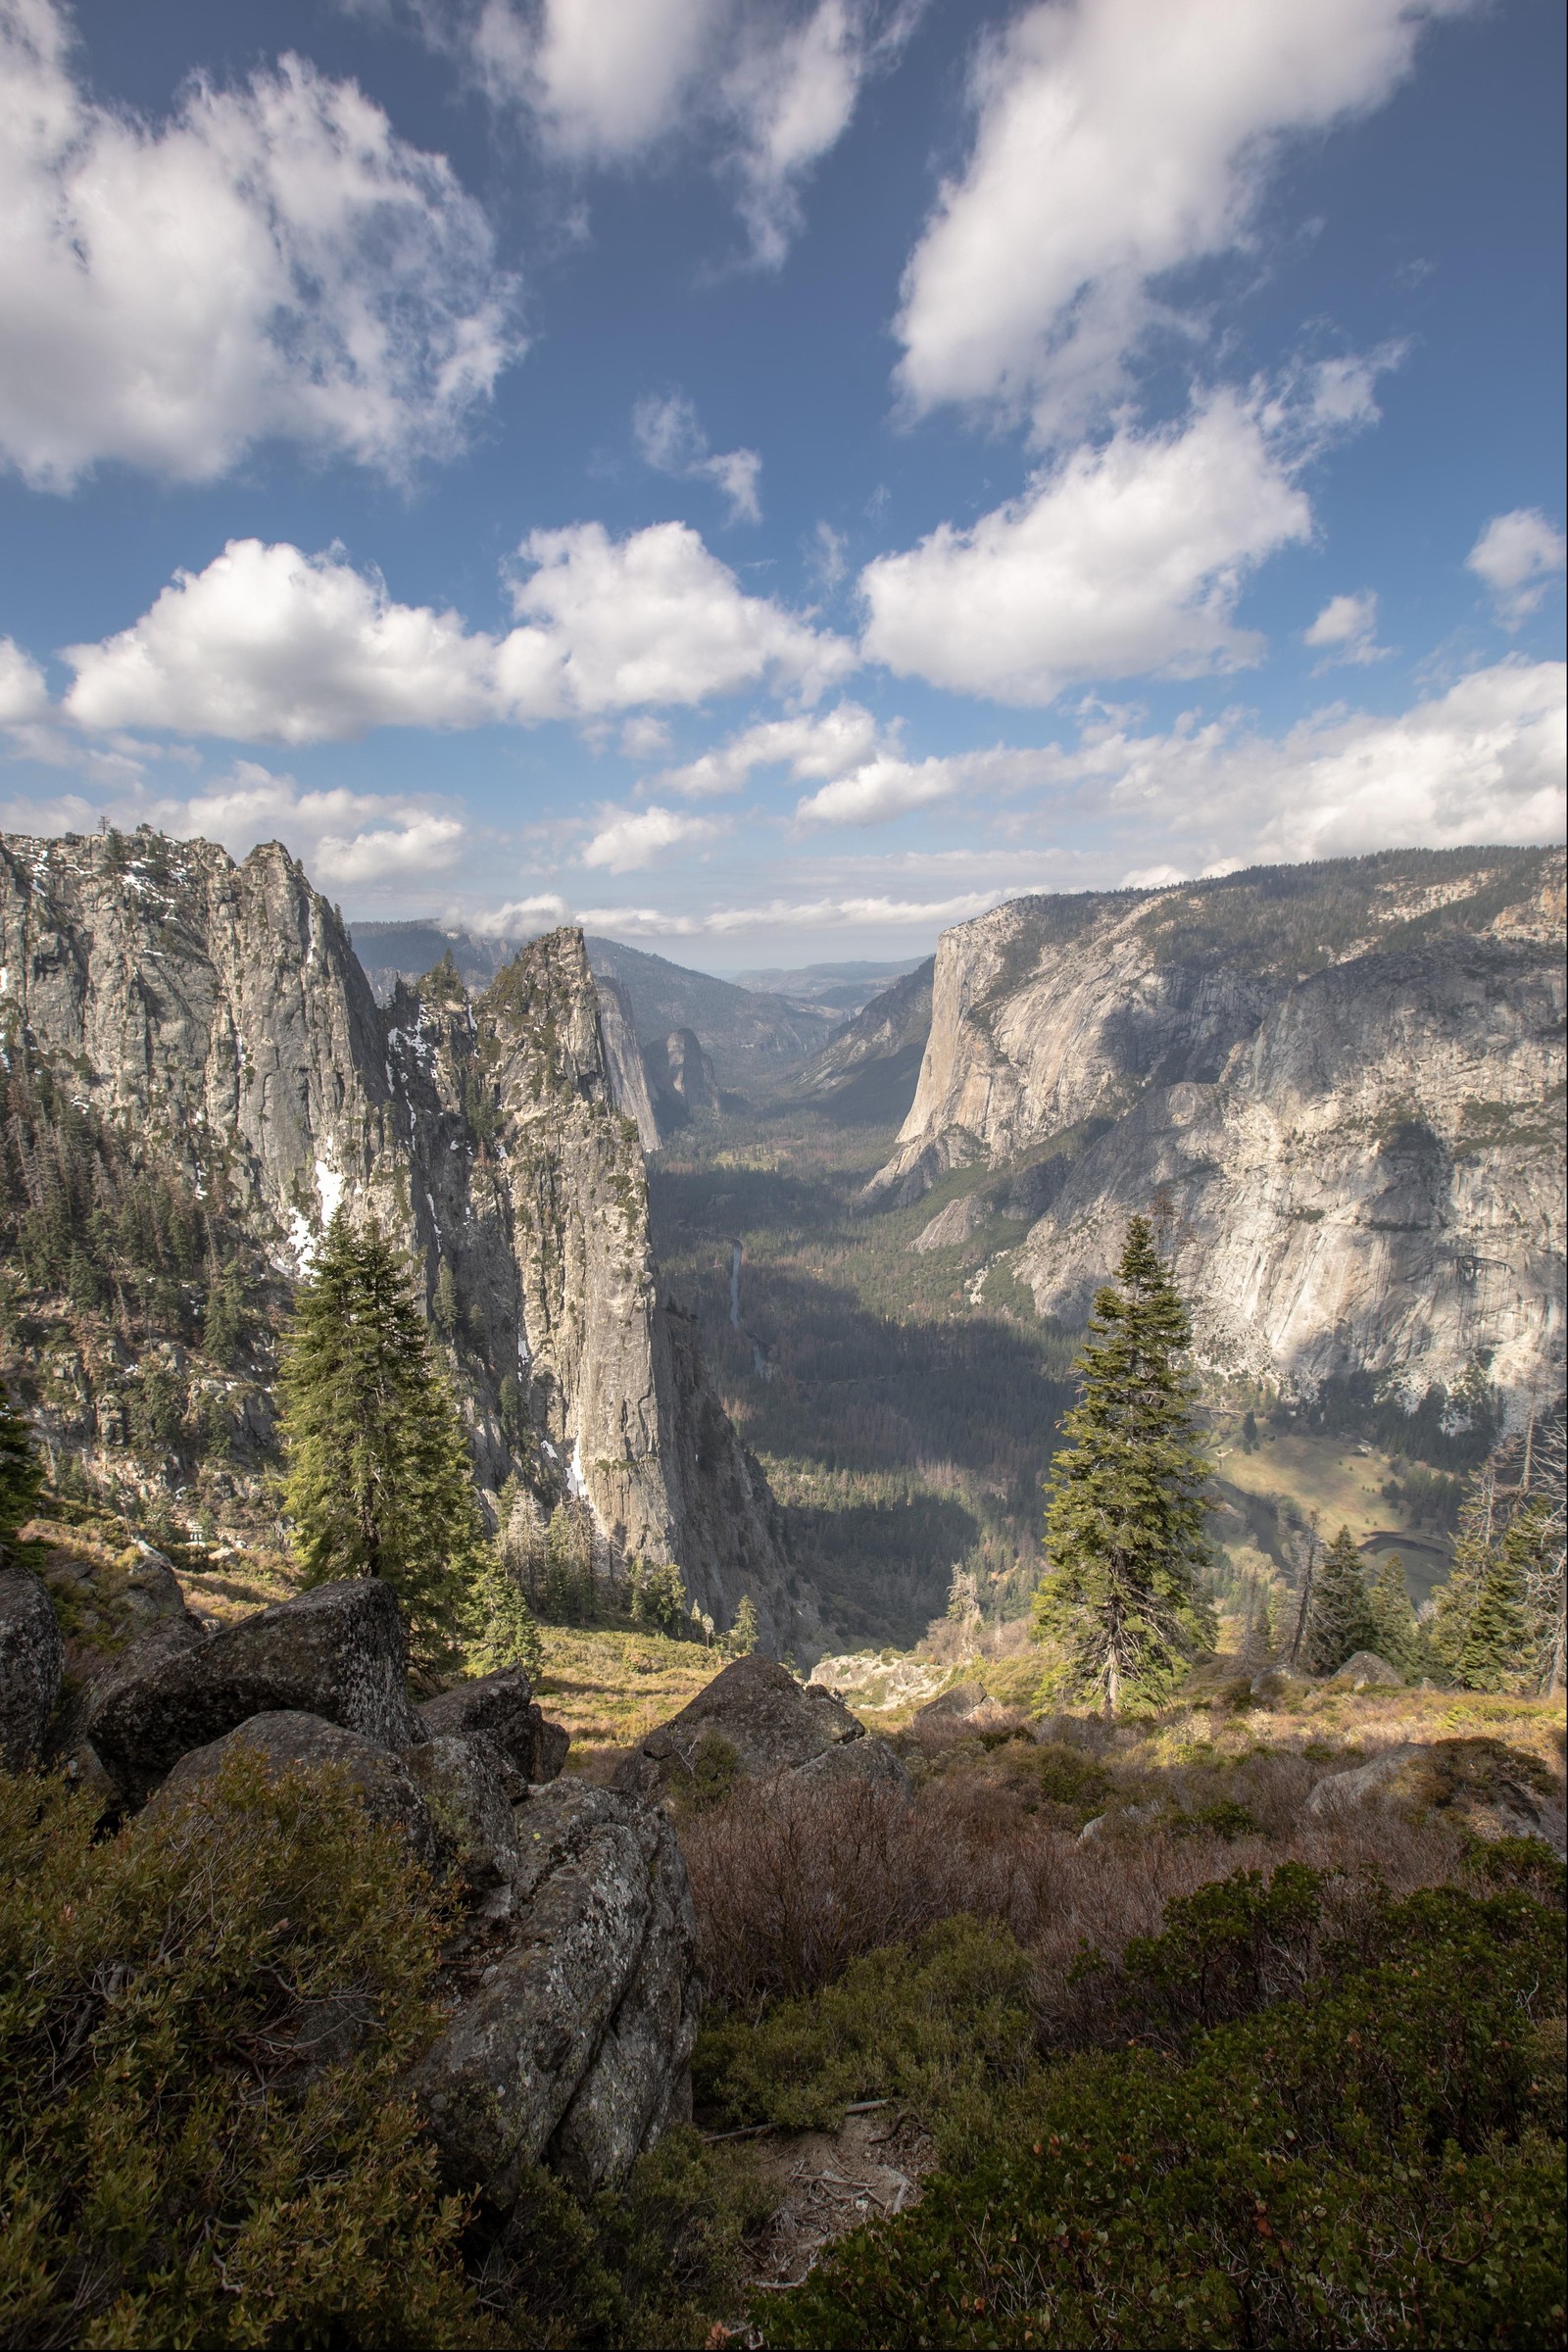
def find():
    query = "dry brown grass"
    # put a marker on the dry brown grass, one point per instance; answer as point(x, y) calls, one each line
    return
point(609, 1687)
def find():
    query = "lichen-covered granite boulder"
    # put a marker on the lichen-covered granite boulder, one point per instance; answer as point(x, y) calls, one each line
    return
point(502, 1705)
point(573, 2019)
point(756, 1715)
point(32, 1662)
point(339, 1652)
point(287, 1738)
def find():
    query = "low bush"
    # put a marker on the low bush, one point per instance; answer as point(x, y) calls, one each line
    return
point(791, 1889)
point(203, 2021)
point(647, 2264)
point(1378, 2161)
point(942, 2024)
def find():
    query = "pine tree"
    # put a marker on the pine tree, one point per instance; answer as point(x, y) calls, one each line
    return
point(742, 1638)
point(21, 1470)
point(503, 1628)
point(378, 1481)
point(1494, 1653)
point(1397, 1635)
point(1125, 1527)
point(1341, 1620)
point(659, 1597)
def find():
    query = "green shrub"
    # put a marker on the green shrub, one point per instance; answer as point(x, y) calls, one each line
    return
point(1065, 1777)
point(1378, 2163)
point(646, 2264)
point(1225, 1818)
point(944, 2023)
point(202, 2023)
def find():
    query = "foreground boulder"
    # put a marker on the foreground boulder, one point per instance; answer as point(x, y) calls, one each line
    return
point(753, 1719)
point(468, 1789)
point(1482, 1785)
point(502, 1706)
point(1364, 1671)
point(286, 1738)
point(339, 1652)
point(874, 1759)
point(573, 2046)
point(31, 1663)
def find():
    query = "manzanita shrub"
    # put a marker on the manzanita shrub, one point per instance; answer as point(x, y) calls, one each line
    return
point(1374, 2159)
point(203, 2023)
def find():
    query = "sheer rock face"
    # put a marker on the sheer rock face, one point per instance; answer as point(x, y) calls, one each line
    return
point(1344, 1081)
point(623, 1057)
point(684, 1085)
point(32, 1662)
point(219, 1011)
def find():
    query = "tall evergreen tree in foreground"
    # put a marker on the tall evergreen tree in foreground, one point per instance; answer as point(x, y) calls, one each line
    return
point(1341, 1621)
point(1125, 1526)
point(378, 1477)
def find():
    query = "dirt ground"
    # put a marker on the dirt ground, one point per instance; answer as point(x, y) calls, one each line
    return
point(828, 2183)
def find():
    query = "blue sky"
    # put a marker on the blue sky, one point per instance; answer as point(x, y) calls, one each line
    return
point(770, 479)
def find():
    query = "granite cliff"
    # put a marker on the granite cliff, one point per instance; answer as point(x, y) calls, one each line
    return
point(1340, 1085)
point(209, 1021)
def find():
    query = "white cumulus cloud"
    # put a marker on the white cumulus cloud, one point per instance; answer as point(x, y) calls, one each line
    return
point(270, 261)
point(672, 441)
point(1518, 555)
point(1482, 762)
point(768, 90)
point(881, 788)
point(1119, 560)
point(1115, 142)
point(269, 644)
point(1347, 630)
point(343, 837)
point(824, 744)
point(652, 618)
point(627, 842)
point(22, 692)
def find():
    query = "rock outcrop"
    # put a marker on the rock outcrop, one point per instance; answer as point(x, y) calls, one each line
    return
point(501, 1708)
point(1365, 1670)
point(32, 1662)
point(574, 2046)
point(339, 1652)
point(755, 1717)
point(215, 1013)
point(1482, 1786)
point(1339, 1086)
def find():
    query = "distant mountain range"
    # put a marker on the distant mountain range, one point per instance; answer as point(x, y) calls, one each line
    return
point(749, 1033)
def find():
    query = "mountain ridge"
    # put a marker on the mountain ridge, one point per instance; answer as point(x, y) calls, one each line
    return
point(1392, 1022)
point(214, 1015)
